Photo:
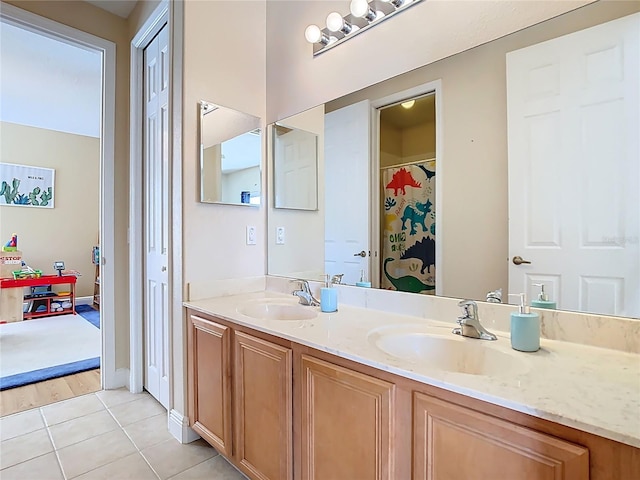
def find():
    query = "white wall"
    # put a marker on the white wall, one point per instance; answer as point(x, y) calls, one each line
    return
point(240, 181)
point(224, 63)
point(427, 32)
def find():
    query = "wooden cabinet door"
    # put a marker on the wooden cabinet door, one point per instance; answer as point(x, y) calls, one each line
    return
point(347, 423)
point(263, 408)
point(453, 442)
point(209, 364)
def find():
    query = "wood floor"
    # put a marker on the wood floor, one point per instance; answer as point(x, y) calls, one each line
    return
point(19, 399)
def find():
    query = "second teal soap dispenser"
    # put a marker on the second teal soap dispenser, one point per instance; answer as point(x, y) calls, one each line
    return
point(525, 327)
point(543, 299)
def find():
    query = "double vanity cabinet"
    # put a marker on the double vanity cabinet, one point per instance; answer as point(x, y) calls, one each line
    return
point(281, 410)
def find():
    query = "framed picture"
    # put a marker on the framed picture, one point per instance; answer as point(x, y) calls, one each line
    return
point(26, 186)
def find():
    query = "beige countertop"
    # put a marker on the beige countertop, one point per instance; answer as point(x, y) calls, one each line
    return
point(592, 389)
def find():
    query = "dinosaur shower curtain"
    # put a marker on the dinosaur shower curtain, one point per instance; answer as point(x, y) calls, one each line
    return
point(409, 227)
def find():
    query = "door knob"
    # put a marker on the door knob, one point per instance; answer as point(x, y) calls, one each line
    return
point(517, 260)
point(164, 269)
point(361, 254)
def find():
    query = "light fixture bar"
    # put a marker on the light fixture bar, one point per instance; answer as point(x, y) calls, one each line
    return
point(375, 12)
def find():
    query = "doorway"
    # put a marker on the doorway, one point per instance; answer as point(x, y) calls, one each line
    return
point(407, 210)
point(70, 134)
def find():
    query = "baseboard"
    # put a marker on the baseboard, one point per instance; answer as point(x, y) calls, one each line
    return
point(119, 379)
point(180, 429)
point(84, 300)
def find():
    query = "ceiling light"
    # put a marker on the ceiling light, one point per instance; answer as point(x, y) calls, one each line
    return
point(313, 34)
point(361, 9)
point(408, 104)
point(335, 23)
point(364, 14)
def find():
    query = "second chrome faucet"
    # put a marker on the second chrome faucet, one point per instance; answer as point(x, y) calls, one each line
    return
point(470, 323)
point(303, 292)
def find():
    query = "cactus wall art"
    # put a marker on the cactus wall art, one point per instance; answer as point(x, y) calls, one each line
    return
point(26, 186)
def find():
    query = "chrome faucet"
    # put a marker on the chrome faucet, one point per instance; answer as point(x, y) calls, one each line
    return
point(304, 293)
point(495, 296)
point(470, 323)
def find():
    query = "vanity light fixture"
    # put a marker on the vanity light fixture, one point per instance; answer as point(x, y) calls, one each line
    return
point(363, 15)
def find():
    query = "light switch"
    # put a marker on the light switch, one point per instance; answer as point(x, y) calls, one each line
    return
point(251, 235)
point(280, 236)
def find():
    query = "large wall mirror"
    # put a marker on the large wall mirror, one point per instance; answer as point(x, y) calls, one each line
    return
point(525, 150)
point(230, 156)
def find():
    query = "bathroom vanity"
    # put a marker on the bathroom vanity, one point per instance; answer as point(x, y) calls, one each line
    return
point(284, 391)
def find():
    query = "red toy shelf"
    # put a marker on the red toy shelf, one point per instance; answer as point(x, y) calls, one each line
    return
point(45, 300)
point(37, 282)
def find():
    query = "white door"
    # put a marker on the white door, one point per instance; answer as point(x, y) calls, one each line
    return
point(156, 215)
point(574, 177)
point(297, 170)
point(347, 180)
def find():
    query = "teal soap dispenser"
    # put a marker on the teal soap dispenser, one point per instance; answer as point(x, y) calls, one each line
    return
point(525, 327)
point(363, 282)
point(328, 297)
point(543, 299)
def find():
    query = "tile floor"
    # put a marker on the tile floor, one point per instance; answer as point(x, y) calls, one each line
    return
point(111, 434)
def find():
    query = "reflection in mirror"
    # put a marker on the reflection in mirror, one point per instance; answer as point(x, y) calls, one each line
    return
point(575, 185)
point(230, 155)
point(295, 167)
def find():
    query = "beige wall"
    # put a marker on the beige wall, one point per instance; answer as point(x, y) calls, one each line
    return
point(224, 62)
point(473, 216)
point(68, 231)
point(430, 31)
point(87, 18)
point(302, 255)
point(419, 142)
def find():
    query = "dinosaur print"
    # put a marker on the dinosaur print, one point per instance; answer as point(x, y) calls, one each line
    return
point(401, 179)
point(416, 215)
point(424, 250)
point(428, 173)
point(407, 283)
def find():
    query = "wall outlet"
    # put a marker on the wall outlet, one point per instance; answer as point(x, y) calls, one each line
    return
point(251, 235)
point(280, 236)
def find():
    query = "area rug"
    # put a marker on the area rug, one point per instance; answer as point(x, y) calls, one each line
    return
point(50, 347)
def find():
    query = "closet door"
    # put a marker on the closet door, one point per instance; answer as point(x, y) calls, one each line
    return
point(156, 217)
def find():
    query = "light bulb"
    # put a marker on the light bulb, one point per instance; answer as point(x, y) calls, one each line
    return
point(313, 34)
point(408, 104)
point(335, 22)
point(359, 8)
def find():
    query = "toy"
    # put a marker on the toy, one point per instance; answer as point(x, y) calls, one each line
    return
point(26, 272)
point(11, 245)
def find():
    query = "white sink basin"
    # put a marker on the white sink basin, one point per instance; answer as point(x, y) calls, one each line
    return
point(441, 349)
point(270, 310)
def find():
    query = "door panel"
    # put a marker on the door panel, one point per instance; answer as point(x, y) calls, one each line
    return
point(347, 179)
point(209, 364)
point(452, 442)
point(156, 217)
point(574, 174)
point(263, 406)
point(347, 428)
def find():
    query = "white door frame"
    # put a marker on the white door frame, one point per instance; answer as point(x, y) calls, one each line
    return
point(35, 23)
point(374, 213)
